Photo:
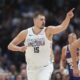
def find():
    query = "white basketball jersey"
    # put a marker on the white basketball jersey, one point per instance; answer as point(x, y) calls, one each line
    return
point(38, 49)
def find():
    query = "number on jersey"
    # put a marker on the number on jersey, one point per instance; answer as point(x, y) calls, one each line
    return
point(36, 49)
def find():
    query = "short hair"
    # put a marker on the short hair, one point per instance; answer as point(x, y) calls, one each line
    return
point(37, 13)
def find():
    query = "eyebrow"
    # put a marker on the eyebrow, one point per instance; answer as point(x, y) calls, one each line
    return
point(42, 18)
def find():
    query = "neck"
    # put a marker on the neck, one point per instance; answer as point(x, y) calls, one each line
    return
point(36, 30)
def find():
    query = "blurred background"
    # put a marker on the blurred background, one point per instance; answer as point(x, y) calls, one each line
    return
point(16, 15)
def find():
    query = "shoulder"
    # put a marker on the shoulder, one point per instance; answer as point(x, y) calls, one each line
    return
point(50, 30)
point(22, 34)
point(24, 31)
point(30, 28)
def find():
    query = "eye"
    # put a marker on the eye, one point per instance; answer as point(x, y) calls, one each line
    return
point(41, 19)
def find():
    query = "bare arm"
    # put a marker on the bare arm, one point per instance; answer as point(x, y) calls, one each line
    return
point(63, 58)
point(17, 40)
point(63, 26)
point(73, 48)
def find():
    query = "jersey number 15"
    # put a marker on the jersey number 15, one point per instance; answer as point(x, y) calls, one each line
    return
point(36, 49)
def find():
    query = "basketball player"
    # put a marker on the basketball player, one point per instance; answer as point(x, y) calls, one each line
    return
point(66, 57)
point(37, 45)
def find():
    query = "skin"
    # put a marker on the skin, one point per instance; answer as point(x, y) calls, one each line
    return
point(74, 43)
point(74, 46)
point(39, 22)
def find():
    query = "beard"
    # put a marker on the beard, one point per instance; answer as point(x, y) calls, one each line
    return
point(42, 27)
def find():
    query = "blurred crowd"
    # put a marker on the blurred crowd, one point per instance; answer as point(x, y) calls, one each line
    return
point(16, 15)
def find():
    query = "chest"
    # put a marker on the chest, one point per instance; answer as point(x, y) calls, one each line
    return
point(36, 40)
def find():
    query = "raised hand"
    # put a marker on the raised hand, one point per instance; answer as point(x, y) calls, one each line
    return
point(70, 14)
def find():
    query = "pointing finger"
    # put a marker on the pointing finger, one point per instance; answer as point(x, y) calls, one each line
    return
point(72, 9)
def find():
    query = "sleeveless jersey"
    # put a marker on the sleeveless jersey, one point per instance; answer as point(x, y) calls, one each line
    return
point(38, 48)
point(69, 62)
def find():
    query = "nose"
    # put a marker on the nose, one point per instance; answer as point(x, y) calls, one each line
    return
point(44, 21)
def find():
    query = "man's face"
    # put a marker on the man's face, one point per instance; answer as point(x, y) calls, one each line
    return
point(40, 21)
point(72, 38)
